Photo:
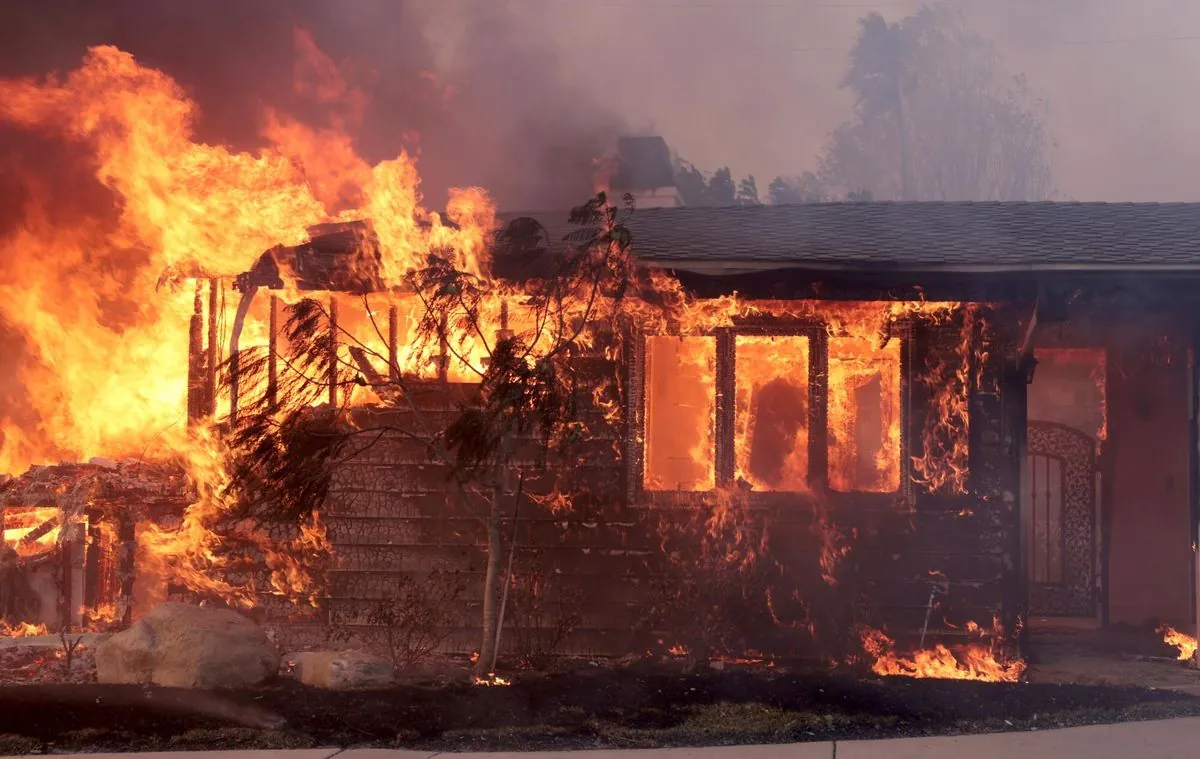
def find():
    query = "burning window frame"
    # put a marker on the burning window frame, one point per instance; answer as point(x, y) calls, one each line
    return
point(817, 331)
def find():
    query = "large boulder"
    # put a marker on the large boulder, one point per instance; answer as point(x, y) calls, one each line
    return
point(183, 646)
point(342, 670)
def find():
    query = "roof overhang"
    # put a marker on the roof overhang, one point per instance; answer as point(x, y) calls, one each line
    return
point(710, 267)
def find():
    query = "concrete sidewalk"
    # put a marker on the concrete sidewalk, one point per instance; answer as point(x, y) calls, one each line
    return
point(1166, 739)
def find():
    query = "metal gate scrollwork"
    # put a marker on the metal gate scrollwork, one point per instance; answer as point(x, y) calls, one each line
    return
point(1062, 584)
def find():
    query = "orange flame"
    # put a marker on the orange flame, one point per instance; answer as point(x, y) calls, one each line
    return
point(1184, 643)
point(771, 417)
point(491, 680)
point(25, 529)
point(110, 361)
point(864, 413)
point(111, 378)
point(771, 387)
point(943, 465)
point(975, 661)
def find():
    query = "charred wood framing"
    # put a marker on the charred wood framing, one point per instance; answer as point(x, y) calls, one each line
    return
point(213, 358)
point(126, 569)
point(905, 330)
point(726, 399)
point(273, 354)
point(235, 367)
point(635, 416)
point(93, 579)
point(393, 344)
point(443, 356)
point(41, 530)
point(197, 385)
point(333, 353)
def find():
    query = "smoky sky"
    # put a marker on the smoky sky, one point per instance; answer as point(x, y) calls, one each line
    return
point(540, 87)
point(753, 83)
point(495, 113)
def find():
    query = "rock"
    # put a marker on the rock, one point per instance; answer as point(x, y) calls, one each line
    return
point(183, 646)
point(342, 670)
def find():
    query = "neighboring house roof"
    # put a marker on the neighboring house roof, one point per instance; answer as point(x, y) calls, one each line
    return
point(980, 237)
point(643, 163)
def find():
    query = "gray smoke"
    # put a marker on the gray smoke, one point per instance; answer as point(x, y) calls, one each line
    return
point(753, 84)
point(543, 85)
point(513, 124)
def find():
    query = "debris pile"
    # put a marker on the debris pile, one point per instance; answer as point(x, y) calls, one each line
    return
point(46, 665)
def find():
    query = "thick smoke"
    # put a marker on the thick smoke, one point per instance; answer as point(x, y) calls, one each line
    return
point(467, 86)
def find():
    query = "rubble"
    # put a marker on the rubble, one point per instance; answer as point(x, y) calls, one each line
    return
point(183, 646)
point(98, 482)
point(67, 537)
point(46, 665)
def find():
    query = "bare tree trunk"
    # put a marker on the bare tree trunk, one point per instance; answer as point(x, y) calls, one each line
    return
point(491, 581)
point(508, 571)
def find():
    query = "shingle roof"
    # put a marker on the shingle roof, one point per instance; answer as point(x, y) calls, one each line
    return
point(918, 236)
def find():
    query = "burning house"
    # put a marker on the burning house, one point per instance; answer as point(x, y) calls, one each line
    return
point(911, 430)
point(905, 432)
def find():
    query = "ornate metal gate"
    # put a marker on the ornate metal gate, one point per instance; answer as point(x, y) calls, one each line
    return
point(1060, 520)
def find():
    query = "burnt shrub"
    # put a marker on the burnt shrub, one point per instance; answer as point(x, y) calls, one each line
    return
point(410, 622)
point(709, 589)
point(544, 609)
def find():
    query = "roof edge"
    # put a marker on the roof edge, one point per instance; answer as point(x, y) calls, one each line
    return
point(734, 266)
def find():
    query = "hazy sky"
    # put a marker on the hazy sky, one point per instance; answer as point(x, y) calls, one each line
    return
point(540, 84)
point(753, 83)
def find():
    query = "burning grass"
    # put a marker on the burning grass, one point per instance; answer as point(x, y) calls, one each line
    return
point(973, 661)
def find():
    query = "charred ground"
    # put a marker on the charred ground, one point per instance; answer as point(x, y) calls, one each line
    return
point(641, 705)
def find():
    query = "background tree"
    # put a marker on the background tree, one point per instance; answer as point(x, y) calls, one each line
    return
point(692, 184)
point(717, 189)
point(722, 188)
point(809, 188)
point(933, 120)
point(747, 194)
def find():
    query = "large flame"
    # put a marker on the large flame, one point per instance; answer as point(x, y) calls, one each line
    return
point(975, 661)
point(103, 300)
point(771, 420)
